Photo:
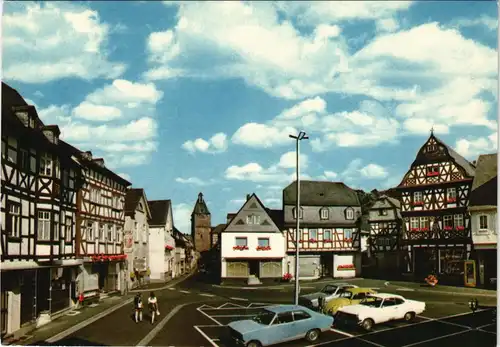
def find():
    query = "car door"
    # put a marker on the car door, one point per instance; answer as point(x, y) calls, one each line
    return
point(302, 323)
point(389, 309)
point(400, 308)
point(283, 328)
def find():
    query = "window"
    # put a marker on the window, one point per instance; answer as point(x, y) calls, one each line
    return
point(431, 148)
point(483, 222)
point(448, 221)
point(347, 233)
point(65, 178)
point(101, 232)
point(418, 197)
point(389, 302)
point(301, 213)
point(424, 223)
point(12, 150)
point(349, 213)
point(253, 219)
point(90, 231)
point(46, 164)
point(359, 296)
point(118, 234)
point(24, 159)
point(458, 220)
point(69, 229)
point(43, 226)
point(57, 229)
point(324, 213)
point(414, 223)
point(327, 235)
point(300, 315)
point(285, 317)
point(451, 194)
point(241, 241)
point(110, 232)
point(136, 232)
point(432, 170)
point(382, 212)
point(263, 242)
point(313, 234)
point(398, 301)
point(14, 220)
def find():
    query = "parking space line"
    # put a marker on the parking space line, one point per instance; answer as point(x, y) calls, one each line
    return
point(233, 315)
point(436, 338)
point(230, 303)
point(239, 299)
point(209, 295)
point(207, 307)
point(486, 331)
point(209, 317)
point(484, 326)
point(370, 342)
point(171, 288)
point(212, 342)
point(184, 291)
point(341, 332)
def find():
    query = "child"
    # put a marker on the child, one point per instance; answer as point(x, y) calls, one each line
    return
point(153, 306)
point(138, 307)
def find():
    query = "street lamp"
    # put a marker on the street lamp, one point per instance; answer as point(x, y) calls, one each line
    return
point(302, 136)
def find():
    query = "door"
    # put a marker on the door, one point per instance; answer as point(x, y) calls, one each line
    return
point(43, 279)
point(285, 327)
point(254, 267)
point(28, 295)
point(236, 269)
point(4, 312)
point(389, 310)
point(61, 280)
point(271, 269)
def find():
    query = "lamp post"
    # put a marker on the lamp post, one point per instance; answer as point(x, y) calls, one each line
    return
point(301, 136)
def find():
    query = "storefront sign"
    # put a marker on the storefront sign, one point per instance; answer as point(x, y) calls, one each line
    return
point(128, 242)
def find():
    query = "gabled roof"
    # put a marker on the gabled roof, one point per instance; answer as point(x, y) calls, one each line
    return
point(484, 186)
point(251, 206)
point(159, 212)
point(200, 207)
point(320, 193)
point(218, 229)
point(278, 217)
point(132, 200)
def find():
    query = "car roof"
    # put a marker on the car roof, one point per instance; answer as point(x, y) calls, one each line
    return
point(360, 290)
point(386, 296)
point(284, 308)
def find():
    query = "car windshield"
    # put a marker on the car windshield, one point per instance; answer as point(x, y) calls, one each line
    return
point(264, 318)
point(329, 289)
point(371, 301)
point(345, 294)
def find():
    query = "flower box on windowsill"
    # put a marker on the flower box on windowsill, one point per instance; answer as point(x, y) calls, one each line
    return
point(447, 228)
point(263, 248)
point(461, 228)
point(313, 240)
point(432, 174)
point(346, 267)
point(424, 229)
point(414, 229)
point(451, 201)
point(240, 248)
point(418, 203)
point(348, 240)
point(327, 240)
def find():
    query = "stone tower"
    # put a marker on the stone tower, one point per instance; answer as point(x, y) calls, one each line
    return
point(201, 225)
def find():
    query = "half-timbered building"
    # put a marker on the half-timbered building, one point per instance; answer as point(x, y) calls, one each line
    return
point(253, 243)
point(136, 236)
point(483, 210)
point(434, 199)
point(100, 222)
point(39, 181)
point(330, 216)
point(385, 238)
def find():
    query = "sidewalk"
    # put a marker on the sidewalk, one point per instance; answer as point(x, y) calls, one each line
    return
point(80, 317)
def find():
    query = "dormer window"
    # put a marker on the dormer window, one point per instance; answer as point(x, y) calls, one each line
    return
point(382, 212)
point(431, 148)
point(253, 219)
point(349, 213)
point(301, 213)
point(324, 213)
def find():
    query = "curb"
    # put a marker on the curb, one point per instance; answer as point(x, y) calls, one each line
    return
point(307, 282)
point(169, 285)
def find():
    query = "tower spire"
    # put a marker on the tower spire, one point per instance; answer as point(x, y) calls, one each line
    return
point(432, 130)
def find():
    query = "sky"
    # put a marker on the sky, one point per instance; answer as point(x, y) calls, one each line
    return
point(187, 97)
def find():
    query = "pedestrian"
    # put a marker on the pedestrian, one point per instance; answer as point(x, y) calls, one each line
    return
point(138, 307)
point(153, 306)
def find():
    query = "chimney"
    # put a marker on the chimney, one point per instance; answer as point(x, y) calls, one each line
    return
point(87, 155)
point(474, 162)
point(99, 161)
point(52, 133)
point(248, 197)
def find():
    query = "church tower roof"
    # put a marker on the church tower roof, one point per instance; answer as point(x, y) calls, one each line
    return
point(200, 207)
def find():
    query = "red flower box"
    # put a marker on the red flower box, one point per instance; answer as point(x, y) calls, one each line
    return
point(312, 240)
point(263, 248)
point(431, 174)
point(451, 200)
point(346, 267)
point(414, 229)
point(447, 228)
point(287, 276)
point(169, 248)
point(327, 240)
point(418, 203)
point(461, 228)
point(240, 248)
point(348, 239)
point(424, 229)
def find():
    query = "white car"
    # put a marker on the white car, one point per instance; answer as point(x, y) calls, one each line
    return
point(329, 292)
point(380, 308)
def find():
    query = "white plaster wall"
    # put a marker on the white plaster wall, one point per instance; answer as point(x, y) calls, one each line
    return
point(343, 260)
point(156, 252)
point(276, 241)
point(14, 311)
point(484, 236)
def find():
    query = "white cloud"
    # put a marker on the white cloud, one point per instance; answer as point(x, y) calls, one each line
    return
point(289, 160)
point(473, 147)
point(262, 135)
point(355, 171)
point(125, 176)
point(33, 36)
point(237, 201)
point(373, 171)
point(182, 217)
point(484, 21)
point(328, 176)
point(216, 144)
point(193, 181)
point(92, 112)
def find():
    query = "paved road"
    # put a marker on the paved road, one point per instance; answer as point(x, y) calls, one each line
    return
point(210, 321)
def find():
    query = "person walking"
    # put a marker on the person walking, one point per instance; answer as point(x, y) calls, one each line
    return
point(153, 306)
point(138, 307)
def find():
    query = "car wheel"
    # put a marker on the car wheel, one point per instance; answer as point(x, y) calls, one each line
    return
point(367, 324)
point(409, 316)
point(254, 344)
point(312, 335)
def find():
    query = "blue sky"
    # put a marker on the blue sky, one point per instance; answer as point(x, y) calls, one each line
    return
point(183, 97)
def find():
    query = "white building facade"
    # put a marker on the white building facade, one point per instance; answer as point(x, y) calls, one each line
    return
point(161, 242)
point(136, 236)
point(253, 244)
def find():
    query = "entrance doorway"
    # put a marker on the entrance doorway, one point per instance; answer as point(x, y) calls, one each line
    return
point(254, 267)
point(326, 261)
point(4, 313)
point(425, 260)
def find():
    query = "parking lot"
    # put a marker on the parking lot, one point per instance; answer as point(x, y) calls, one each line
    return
point(465, 329)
